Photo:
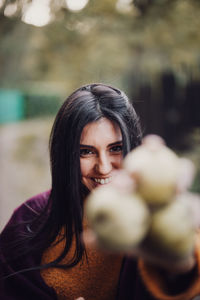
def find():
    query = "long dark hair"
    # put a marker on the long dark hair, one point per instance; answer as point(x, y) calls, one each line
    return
point(65, 205)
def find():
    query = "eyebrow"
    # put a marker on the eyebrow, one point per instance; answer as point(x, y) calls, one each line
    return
point(92, 147)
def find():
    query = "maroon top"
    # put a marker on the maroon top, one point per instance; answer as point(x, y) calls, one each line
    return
point(30, 285)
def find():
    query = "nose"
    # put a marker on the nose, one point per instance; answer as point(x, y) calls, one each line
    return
point(104, 164)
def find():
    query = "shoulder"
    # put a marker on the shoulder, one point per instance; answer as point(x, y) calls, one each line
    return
point(28, 210)
point(13, 240)
point(35, 204)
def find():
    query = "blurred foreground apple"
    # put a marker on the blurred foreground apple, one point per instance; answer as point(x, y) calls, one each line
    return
point(112, 214)
point(155, 169)
point(150, 202)
point(172, 230)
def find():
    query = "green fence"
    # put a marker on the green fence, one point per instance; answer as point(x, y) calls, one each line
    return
point(15, 105)
point(11, 105)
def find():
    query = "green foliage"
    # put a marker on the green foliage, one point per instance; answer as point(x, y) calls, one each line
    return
point(100, 43)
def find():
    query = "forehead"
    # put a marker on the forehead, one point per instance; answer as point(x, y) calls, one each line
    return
point(102, 130)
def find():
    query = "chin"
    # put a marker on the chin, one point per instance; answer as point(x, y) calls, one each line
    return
point(90, 184)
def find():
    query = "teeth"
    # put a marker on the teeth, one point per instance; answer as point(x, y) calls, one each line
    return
point(107, 180)
point(103, 181)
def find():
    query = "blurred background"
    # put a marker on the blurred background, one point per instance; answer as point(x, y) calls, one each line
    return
point(148, 48)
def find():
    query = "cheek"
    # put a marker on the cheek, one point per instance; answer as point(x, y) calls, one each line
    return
point(86, 169)
point(86, 166)
point(117, 162)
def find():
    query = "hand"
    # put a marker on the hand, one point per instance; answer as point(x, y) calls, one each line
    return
point(167, 240)
point(147, 254)
point(150, 253)
point(161, 260)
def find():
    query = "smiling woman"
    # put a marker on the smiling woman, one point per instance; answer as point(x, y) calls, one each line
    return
point(42, 252)
point(93, 130)
point(100, 152)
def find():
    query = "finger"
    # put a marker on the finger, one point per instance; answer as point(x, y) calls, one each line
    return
point(162, 260)
point(192, 200)
point(89, 238)
point(80, 298)
point(194, 203)
point(122, 181)
point(186, 174)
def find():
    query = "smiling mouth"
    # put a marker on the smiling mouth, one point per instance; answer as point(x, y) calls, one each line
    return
point(102, 180)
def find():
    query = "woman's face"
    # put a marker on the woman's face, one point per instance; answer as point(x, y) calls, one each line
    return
point(100, 152)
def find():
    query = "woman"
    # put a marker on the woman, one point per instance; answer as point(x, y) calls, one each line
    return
point(42, 252)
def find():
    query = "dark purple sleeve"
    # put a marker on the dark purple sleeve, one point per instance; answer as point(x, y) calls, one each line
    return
point(27, 285)
point(130, 285)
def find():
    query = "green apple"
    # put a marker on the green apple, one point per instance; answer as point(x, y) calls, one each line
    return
point(119, 220)
point(172, 229)
point(155, 168)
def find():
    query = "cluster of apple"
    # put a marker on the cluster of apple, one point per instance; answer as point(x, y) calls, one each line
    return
point(148, 201)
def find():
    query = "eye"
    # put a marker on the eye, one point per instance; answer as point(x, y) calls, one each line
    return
point(86, 152)
point(116, 149)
